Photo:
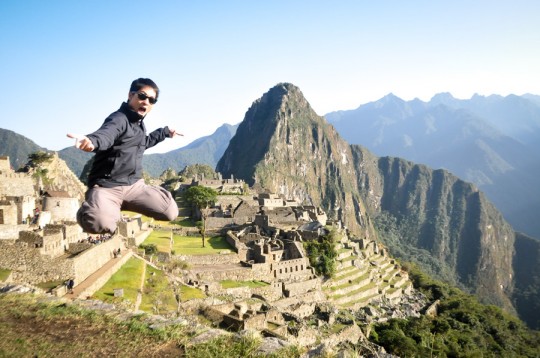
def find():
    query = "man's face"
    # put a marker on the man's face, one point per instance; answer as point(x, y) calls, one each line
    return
point(142, 106)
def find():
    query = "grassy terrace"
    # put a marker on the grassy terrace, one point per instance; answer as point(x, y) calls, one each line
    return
point(352, 283)
point(187, 245)
point(158, 296)
point(128, 277)
point(352, 293)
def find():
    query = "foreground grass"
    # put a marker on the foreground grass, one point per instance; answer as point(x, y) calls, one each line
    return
point(33, 329)
point(189, 245)
point(128, 277)
point(38, 329)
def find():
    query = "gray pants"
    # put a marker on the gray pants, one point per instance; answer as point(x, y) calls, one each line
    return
point(100, 212)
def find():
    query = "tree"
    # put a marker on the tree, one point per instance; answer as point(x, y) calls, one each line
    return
point(201, 197)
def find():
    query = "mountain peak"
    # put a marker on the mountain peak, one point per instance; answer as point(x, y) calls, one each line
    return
point(444, 98)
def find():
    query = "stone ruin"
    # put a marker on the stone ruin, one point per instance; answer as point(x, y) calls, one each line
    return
point(267, 235)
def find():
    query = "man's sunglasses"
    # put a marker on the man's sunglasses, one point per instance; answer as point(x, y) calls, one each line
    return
point(143, 96)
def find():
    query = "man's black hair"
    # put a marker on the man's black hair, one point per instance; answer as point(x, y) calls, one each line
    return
point(141, 82)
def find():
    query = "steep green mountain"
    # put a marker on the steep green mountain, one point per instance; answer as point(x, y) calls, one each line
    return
point(429, 216)
point(17, 147)
point(489, 141)
point(205, 150)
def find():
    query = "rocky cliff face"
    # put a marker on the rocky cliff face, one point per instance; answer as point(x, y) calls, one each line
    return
point(284, 146)
point(442, 222)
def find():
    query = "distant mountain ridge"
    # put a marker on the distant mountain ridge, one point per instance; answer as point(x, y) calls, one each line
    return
point(491, 141)
point(204, 150)
point(429, 216)
point(17, 147)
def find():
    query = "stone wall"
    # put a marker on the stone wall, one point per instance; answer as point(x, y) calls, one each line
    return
point(5, 166)
point(240, 248)
point(131, 227)
point(197, 260)
point(216, 223)
point(28, 265)
point(235, 274)
point(87, 262)
point(298, 288)
point(11, 232)
point(8, 213)
point(106, 275)
point(290, 269)
point(16, 184)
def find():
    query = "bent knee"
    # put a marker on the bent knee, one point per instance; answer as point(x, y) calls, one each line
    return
point(94, 222)
point(171, 213)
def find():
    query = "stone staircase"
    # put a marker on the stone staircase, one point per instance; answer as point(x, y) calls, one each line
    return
point(363, 275)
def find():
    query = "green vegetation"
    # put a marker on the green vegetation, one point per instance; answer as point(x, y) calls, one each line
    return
point(201, 197)
point(251, 284)
point(4, 274)
point(322, 254)
point(193, 170)
point(128, 277)
point(160, 239)
point(149, 249)
point(392, 233)
point(189, 293)
point(188, 245)
point(462, 328)
point(158, 295)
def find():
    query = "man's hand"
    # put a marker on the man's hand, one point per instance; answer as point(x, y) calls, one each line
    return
point(173, 132)
point(82, 142)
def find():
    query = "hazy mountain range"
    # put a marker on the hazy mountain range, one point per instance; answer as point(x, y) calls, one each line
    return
point(493, 142)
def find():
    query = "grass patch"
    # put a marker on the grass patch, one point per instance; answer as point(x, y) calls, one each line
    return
point(189, 293)
point(234, 284)
point(4, 274)
point(160, 238)
point(128, 277)
point(158, 295)
point(189, 245)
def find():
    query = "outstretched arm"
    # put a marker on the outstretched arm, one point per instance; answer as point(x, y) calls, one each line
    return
point(82, 142)
point(173, 132)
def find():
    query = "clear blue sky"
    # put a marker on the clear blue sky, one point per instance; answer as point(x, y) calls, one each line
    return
point(67, 64)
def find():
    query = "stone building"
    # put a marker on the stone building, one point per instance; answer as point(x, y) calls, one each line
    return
point(61, 205)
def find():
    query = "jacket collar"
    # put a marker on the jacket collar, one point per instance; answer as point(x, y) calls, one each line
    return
point(131, 115)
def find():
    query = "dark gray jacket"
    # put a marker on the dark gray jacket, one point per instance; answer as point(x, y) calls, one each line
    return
point(120, 144)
